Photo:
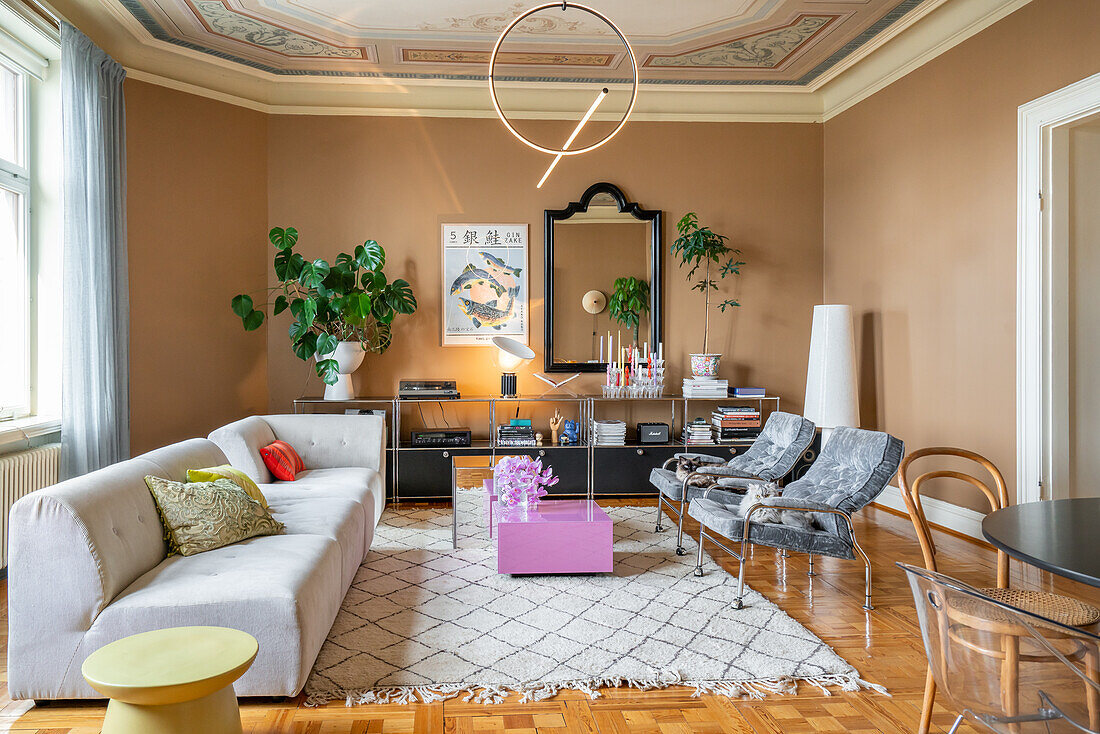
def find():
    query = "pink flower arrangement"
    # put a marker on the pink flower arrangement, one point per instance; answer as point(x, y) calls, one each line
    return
point(521, 480)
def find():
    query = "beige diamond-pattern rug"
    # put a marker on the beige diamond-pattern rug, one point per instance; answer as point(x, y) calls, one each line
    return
point(425, 622)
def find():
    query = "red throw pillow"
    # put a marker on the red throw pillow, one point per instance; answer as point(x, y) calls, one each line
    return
point(282, 460)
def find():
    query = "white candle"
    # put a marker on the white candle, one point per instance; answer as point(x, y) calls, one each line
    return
point(601, 348)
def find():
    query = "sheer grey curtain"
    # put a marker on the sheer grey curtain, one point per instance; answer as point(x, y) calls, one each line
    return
point(95, 409)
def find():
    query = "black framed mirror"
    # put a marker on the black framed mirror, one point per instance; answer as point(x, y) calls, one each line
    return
point(591, 244)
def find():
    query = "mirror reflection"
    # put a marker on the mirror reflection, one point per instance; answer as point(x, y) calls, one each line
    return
point(602, 261)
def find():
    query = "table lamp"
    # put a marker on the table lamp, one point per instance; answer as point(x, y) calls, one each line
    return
point(831, 397)
point(510, 354)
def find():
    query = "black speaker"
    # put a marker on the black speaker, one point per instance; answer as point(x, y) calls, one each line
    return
point(809, 456)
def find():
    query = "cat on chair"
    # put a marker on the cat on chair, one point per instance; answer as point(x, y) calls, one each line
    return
point(792, 518)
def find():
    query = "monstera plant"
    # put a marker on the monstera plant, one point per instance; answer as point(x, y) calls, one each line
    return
point(347, 301)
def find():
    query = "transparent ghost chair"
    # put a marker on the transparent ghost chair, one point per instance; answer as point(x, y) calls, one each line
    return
point(1002, 669)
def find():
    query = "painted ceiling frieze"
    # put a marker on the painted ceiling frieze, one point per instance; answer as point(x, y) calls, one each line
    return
point(781, 43)
point(229, 23)
point(764, 50)
point(540, 23)
point(521, 58)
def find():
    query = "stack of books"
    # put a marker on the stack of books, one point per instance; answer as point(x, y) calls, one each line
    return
point(733, 423)
point(705, 388)
point(609, 433)
point(515, 436)
point(697, 432)
point(747, 392)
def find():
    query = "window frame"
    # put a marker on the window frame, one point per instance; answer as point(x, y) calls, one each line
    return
point(18, 179)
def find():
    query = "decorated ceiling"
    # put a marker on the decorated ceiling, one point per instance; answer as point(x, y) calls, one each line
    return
point(787, 43)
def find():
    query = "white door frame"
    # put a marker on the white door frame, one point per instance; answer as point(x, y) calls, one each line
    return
point(1041, 274)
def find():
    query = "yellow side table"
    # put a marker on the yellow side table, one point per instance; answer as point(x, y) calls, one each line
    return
point(172, 681)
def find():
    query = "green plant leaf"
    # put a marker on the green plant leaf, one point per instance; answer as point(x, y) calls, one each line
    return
point(374, 280)
point(242, 305)
point(382, 311)
point(327, 370)
point(283, 239)
point(253, 320)
point(306, 346)
point(313, 273)
point(297, 330)
point(326, 344)
point(357, 305)
point(281, 305)
point(399, 296)
point(309, 311)
point(370, 255)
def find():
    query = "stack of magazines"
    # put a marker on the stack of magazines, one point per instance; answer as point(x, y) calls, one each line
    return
point(705, 388)
point(515, 436)
point(608, 433)
point(697, 432)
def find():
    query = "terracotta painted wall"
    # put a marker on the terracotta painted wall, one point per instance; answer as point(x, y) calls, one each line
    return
point(920, 228)
point(197, 214)
point(341, 180)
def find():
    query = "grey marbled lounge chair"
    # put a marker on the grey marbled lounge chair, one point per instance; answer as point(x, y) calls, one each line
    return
point(853, 468)
point(770, 458)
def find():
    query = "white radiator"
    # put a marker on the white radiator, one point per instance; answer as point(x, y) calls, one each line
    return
point(20, 474)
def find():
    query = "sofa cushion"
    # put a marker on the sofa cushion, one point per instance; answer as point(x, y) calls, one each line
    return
point(282, 460)
point(241, 442)
point(284, 590)
point(362, 485)
point(340, 519)
point(202, 516)
point(225, 471)
point(672, 488)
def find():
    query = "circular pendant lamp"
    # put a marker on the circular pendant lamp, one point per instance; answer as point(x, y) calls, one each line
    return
point(564, 150)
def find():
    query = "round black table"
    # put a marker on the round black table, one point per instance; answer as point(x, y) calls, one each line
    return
point(1059, 536)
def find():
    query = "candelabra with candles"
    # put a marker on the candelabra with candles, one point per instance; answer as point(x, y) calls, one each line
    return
point(637, 372)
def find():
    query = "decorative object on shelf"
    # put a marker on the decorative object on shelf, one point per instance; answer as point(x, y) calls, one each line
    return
point(635, 372)
point(510, 355)
point(600, 96)
point(335, 307)
point(570, 434)
point(558, 384)
point(629, 301)
point(538, 439)
point(484, 283)
point(700, 247)
point(556, 424)
point(522, 480)
point(831, 397)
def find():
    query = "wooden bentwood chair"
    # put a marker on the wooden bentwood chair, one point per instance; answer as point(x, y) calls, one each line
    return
point(1061, 609)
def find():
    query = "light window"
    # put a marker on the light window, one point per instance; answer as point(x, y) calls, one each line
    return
point(12, 112)
point(15, 382)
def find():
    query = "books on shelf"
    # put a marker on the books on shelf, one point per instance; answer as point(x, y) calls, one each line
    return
point(515, 436)
point(731, 423)
point(705, 388)
point(608, 433)
point(697, 432)
point(747, 392)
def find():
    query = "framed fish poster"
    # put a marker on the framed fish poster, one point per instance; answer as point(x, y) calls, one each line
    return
point(485, 291)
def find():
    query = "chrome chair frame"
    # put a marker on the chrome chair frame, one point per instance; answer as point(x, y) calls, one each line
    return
point(741, 557)
point(680, 550)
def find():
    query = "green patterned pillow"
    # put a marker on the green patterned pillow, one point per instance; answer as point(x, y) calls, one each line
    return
point(202, 516)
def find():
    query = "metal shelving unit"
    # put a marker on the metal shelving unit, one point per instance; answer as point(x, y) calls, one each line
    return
point(587, 407)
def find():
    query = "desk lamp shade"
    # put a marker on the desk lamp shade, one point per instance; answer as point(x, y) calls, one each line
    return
point(510, 355)
point(831, 397)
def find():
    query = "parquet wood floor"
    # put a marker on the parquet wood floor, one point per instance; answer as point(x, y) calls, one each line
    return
point(884, 645)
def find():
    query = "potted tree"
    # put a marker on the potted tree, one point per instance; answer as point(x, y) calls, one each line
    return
point(341, 311)
point(699, 247)
point(628, 302)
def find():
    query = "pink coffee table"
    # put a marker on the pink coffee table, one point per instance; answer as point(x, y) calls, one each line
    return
point(554, 536)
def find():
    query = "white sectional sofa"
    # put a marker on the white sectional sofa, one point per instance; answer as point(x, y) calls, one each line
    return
point(88, 563)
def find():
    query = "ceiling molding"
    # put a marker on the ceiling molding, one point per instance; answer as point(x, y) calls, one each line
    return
point(909, 43)
point(940, 31)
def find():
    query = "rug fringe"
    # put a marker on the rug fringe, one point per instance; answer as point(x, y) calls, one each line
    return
point(541, 690)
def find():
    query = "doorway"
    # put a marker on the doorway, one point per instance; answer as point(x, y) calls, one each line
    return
point(1058, 298)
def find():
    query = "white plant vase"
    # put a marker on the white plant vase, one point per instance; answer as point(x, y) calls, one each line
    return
point(348, 356)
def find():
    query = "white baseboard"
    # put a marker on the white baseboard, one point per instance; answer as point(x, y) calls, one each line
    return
point(960, 519)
